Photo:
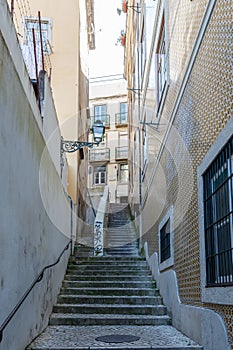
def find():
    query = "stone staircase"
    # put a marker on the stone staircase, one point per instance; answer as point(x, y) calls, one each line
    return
point(121, 236)
point(111, 296)
point(109, 291)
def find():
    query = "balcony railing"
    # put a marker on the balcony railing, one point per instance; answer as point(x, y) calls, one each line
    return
point(121, 153)
point(99, 154)
point(121, 119)
point(105, 119)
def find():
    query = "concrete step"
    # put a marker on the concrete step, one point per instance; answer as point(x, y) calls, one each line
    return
point(114, 267)
point(120, 244)
point(115, 309)
point(113, 252)
point(109, 284)
point(103, 272)
point(99, 299)
point(124, 248)
point(105, 259)
point(92, 291)
point(108, 263)
point(108, 319)
point(112, 278)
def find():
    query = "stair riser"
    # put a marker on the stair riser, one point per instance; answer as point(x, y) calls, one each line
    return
point(78, 271)
point(105, 260)
point(126, 278)
point(109, 285)
point(109, 292)
point(110, 300)
point(120, 253)
point(115, 310)
point(109, 322)
point(112, 268)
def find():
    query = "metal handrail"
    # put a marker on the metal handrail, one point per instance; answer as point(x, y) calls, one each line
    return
point(36, 280)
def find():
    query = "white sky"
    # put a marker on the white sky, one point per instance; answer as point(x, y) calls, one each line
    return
point(107, 58)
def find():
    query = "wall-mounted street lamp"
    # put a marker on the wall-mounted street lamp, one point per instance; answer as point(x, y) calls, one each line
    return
point(98, 130)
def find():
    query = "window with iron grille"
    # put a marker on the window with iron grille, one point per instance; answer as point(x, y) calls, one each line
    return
point(218, 218)
point(165, 245)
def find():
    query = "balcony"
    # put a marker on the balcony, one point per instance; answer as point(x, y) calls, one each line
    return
point(99, 155)
point(121, 153)
point(121, 119)
point(105, 119)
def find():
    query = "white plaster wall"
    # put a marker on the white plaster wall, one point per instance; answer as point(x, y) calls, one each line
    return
point(202, 325)
point(29, 237)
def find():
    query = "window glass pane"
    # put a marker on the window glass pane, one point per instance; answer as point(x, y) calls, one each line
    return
point(165, 248)
point(123, 173)
point(100, 113)
point(123, 112)
point(100, 175)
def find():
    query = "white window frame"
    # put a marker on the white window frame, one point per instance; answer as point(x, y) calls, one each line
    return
point(100, 115)
point(99, 172)
point(34, 20)
point(170, 261)
point(123, 181)
point(216, 294)
point(162, 26)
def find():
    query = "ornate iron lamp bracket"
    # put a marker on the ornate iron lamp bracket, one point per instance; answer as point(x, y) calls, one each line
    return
point(73, 146)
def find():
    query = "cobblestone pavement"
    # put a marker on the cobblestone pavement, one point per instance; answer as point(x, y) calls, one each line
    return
point(83, 337)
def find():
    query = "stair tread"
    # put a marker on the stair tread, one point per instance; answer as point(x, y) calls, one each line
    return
point(108, 296)
point(79, 315)
point(112, 289)
point(111, 305)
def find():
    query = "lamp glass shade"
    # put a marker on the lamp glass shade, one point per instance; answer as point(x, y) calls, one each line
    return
point(98, 130)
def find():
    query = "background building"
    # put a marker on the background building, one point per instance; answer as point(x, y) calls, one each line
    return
point(108, 162)
point(178, 66)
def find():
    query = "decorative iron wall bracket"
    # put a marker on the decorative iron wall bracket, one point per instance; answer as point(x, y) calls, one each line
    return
point(73, 146)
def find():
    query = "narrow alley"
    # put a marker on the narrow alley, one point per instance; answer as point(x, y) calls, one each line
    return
point(116, 181)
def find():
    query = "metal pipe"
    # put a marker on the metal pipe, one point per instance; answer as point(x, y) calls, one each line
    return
point(41, 42)
point(36, 68)
point(12, 8)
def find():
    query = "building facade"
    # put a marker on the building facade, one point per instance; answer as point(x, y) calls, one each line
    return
point(178, 66)
point(108, 162)
point(65, 42)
